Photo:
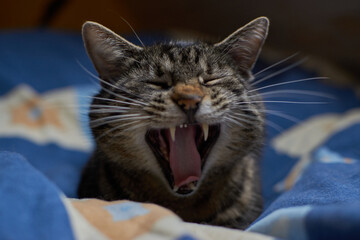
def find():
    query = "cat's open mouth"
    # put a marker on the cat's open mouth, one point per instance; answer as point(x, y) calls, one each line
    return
point(182, 152)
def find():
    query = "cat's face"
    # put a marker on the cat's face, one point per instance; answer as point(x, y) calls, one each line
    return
point(176, 110)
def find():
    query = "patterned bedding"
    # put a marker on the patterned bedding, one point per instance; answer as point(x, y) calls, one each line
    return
point(310, 167)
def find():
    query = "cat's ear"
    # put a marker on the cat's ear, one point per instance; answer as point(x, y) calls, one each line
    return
point(106, 49)
point(244, 44)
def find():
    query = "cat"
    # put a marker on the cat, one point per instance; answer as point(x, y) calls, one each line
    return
point(175, 125)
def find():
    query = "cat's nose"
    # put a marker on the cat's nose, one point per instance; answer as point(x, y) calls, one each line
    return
point(188, 98)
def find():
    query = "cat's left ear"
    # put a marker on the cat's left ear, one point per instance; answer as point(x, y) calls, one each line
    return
point(107, 50)
point(244, 44)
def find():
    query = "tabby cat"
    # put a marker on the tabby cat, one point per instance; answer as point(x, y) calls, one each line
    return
point(175, 124)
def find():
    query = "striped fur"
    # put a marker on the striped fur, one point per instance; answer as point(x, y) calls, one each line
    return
point(137, 85)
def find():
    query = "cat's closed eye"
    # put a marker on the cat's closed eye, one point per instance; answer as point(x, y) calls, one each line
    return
point(159, 84)
point(211, 81)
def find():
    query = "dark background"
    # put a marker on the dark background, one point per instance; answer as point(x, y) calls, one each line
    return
point(327, 29)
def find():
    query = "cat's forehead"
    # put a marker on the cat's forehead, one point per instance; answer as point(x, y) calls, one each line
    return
point(181, 52)
point(184, 58)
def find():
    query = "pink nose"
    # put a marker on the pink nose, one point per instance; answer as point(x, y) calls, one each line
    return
point(187, 96)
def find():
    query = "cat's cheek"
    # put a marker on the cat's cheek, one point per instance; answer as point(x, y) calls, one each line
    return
point(205, 109)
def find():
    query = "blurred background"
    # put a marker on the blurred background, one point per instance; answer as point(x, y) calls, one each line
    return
point(329, 30)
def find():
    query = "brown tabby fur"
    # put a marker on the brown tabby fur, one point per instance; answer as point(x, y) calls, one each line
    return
point(145, 88)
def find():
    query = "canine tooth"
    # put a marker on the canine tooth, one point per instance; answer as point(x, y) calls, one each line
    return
point(205, 128)
point(192, 186)
point(181, 125)
point(176, 188)
point(172, 133)
point(185, 125)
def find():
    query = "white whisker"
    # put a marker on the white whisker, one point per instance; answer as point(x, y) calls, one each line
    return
point(111, 85)
point(238, 115)
point(115, 117)
point(116, 128)
point(230, 119)
point(118, 116)
point(276, 93)
point(285, 102)
point(107, 111)
point(274, 126)
point(288, 82)
point(133, 102)
point(224, 52)
point(282, 115)
point(274, 65)
point(108, 106)
point(245, 115)
point(134, 128)
point(104, 99)
point(267, 122)
point(109, 100)
point(279, 72)
point(133, 31)
point(94, 124)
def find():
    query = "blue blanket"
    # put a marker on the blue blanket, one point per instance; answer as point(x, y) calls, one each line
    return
point(30, 207)
point(310, 167)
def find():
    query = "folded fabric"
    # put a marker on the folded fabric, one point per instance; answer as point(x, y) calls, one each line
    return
point(30, 206)
point(325, 201)
point(310, 166)
point(34, 208)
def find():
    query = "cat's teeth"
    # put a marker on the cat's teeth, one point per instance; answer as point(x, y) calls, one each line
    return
point(172, 133)
point(176, 188)
point(192, 186)
point(185, 125)
point(205, 128)
point(181, 126)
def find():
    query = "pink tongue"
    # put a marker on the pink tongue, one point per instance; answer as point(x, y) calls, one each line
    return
point(185, 161)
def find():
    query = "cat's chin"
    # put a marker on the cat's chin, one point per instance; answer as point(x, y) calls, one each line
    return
point(181, 152)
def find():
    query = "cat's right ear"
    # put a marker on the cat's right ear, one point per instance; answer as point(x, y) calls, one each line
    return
point(106, 49)
point(244, 45)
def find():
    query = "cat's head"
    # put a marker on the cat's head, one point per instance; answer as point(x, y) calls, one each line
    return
point(177, 109)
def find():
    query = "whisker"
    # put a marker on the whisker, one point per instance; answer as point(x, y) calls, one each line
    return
point(283, 115)
point(120, 101)
point(116, 117)
point(141, 99)
point(245, 115)
point(267, 122)
point(133, 102)
point(279, 72)
point(274, 126)
point(108, 106)
point(111, 85)
point(104, 99)
point(272, 112)
point(230, 119)
point(275, 64)
point(291, 91)
point(248, 121)
point(116, 128)
point(133, 128)
point(107, 111)
point(133, 31)
point(94, 124)
point(288, 82)
point(285, 102)
point(224, 52)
